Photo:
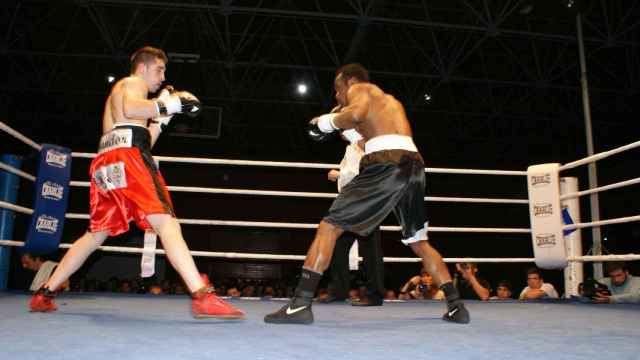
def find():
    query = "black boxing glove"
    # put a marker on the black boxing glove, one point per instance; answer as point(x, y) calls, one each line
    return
point(321, 128)
point(178, 102)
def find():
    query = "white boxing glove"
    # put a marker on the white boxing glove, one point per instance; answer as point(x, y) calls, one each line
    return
point(352, 136)
point(325, 123)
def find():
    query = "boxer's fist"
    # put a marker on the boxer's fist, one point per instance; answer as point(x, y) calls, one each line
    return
point(320, 127)
point(171, 102)
point(315, 133)
point(190, 105)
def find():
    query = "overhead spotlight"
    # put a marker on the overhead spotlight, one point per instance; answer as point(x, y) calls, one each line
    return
point(569, 3)
point(526, 8)
point(427, 97)
point(302, 89)
point(111, 78)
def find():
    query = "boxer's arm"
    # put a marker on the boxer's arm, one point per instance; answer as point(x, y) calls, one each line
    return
point(356, 112)
point(154, 130)
point(135, 104)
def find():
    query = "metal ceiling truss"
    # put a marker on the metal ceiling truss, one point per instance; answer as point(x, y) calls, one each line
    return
point(489, 66)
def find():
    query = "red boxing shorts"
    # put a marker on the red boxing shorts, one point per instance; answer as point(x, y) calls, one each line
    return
point(126, 184)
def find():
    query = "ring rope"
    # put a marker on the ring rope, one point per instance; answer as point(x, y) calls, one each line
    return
point(254, 256)
point(602, 222)
point(601, 188)
point(284, 225)
point(599, 156)
point(19, 136)
point(210, 161)
point(20, 173)
point(16, 171)
point(193, 160)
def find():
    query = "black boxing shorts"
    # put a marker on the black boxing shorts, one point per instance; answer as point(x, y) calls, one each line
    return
point(391, 178)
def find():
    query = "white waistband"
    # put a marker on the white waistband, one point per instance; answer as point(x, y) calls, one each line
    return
point(115, 139)
point(126, 123)
point(389, 142)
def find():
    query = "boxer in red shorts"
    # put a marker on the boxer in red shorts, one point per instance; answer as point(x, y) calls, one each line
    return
point(127, 186)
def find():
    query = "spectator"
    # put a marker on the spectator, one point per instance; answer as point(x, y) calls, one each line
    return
point(623, 286)
point(179, 289)
point(125, 287)
point(43, 270)
point(248, 291)
point(390, 295)
point(354, 294)
point(503, 292)
point(471, 286)
point(421, 287)
point(537, 288)
point(369, 246)
point(268, 292)
point(155, 290)
point(233, 292)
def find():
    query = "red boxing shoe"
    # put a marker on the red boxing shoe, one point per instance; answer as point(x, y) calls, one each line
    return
point(206, 304)
point(42, 301)
point(211, 306)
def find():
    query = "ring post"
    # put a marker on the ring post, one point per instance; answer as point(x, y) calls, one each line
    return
point(574, 272)
point(9, 184)
point(545, 213)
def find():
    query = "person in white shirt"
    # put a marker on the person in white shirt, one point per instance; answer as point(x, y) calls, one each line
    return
point(370, 247)
point(42, 268)
point(537, 288)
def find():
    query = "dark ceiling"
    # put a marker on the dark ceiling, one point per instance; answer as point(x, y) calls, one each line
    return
point(503, 76)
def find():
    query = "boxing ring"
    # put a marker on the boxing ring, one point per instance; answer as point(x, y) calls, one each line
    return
point(143, 326)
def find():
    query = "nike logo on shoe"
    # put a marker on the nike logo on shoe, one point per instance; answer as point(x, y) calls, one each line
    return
point(453, 312)
point(291, 311)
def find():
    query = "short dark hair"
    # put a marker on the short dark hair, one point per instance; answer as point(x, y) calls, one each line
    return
point(534, 270)
point(353, 70)
point(145, 55)
point(505, 283)
point(32, 256)
point(616, 265)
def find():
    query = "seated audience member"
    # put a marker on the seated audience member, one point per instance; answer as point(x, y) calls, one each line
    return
point(125, 287)
point(421, 287)
point(233, 292)
point(354, 294)
point(268, 292)
point(390, 295)
point(43, 270)
point(503, 292)
point(471, 286)
point(537, 288)
point(248, 291)
point(155, 290)
point(623, 287)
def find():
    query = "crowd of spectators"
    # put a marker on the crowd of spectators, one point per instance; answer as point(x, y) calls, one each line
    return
point(618, 287)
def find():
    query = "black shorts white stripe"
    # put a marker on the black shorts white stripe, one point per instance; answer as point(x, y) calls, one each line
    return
point(389, 180)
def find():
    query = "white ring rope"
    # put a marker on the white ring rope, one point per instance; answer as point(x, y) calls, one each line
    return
point(599, 156)
point(193, 189)
point(16, 171)
point(571, 165)
point(284, 225)
point(193, 160)
point(601, 188)
point(19, 136)
point(209, 161)
point(254, 256)
point(602, 222)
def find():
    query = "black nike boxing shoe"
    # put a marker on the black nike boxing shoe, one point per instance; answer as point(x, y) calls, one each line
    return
point(457, 313)
point(291, 313)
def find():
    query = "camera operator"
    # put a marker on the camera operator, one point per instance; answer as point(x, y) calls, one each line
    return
point(623, 287)
point(471, 286)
